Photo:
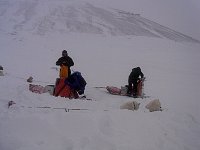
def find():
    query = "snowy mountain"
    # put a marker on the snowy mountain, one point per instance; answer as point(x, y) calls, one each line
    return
point(106, 39)
point(43, 17)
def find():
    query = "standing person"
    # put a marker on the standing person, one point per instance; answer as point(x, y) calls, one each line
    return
point(133, 81)
point(65, 62)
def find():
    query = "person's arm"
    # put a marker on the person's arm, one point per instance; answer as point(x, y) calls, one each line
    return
point(70, 62)
point(59, 62)
point(142, 75)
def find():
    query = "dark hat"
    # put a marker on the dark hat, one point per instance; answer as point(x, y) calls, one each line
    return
point(138, 68)
point(64, 53)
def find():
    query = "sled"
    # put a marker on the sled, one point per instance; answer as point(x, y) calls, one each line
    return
point(41, 89)
point(70, 87)
point(123, 90)
point(60, 89)
point(36, 88)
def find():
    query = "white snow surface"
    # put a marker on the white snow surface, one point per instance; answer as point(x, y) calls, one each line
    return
point(105, 46)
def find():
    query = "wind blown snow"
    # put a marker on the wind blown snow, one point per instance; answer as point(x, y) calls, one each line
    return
point(105, 44)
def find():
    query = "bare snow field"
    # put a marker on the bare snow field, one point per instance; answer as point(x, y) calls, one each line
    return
point(105, 40)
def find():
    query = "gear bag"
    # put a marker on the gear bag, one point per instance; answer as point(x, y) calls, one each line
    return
point(76, 82)
point(63, 90)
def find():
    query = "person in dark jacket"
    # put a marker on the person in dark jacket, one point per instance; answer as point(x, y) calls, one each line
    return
point(65, 62)
point(133, 81)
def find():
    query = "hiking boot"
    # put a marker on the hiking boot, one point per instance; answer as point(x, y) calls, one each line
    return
point(129, 95)
point(134, 95)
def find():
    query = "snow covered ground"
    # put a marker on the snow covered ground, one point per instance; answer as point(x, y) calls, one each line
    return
point(104, 49)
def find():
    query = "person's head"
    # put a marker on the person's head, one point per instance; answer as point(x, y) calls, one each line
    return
point(138, 68)
point(64, 53)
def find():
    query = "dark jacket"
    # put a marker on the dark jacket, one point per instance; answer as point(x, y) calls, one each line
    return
point(134, 75)
point(67, 61)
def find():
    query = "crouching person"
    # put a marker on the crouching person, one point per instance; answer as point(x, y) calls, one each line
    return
point(133, 81)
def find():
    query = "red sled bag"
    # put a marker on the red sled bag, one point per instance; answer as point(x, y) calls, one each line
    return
point(139, 88)
point(63, 90)
point(123, 91)
point(113, 90)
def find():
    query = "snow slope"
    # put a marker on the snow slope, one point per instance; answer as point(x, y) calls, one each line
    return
point(42, 17)
point(33, 34)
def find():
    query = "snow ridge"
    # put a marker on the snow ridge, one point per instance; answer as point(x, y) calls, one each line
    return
point(42, 17)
